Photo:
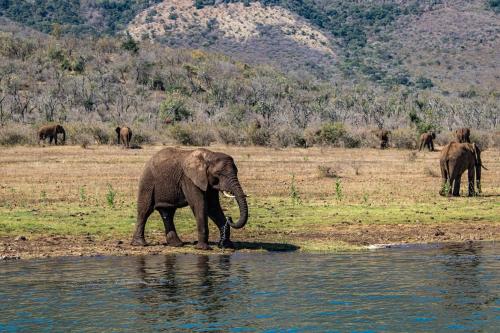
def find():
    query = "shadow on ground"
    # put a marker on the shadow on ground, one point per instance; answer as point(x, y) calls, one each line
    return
point(271, 247)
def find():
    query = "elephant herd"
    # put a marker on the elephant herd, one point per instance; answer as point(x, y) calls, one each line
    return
point(457, 157)
point(124, 134)
point(175, 178)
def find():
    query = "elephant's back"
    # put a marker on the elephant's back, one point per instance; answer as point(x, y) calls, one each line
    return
point(167, 160)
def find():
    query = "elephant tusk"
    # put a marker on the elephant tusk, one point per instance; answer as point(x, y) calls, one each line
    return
point(227, 194)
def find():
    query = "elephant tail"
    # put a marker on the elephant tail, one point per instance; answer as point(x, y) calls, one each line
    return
point(447, 170)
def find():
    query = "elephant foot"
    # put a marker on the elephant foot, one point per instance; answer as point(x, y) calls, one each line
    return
point(138, 242)
point(173, 240)
point(225, 244)
point(202, 246)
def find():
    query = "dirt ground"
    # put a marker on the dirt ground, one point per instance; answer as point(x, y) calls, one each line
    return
point(53, 201)
point(363, 236)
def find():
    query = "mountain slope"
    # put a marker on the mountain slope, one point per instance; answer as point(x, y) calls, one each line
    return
point(252, 32)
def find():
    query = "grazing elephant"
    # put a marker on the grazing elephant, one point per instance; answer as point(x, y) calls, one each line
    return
point(427, 140)
point(51, 131)
point(455, 159)
point(463, 135)
point(175, 178)
point(124, 135)
point(383, 135)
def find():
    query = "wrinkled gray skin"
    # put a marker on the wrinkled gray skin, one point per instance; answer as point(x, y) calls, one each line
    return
point(175, 178)
point(124, 135)
point(51, 131)
point(455, 159)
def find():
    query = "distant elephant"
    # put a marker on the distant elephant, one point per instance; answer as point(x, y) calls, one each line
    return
point(51, 131)
point(427, 140)
point(175, 178)
point(455, 159)
point(383, 135)
point(124, 135)
point(463, 135)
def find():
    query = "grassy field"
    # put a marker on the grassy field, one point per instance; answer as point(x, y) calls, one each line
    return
point(70, 200)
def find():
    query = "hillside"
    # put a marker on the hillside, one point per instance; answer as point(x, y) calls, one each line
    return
point(253, 32)
point(448, 46)
point(451, 46)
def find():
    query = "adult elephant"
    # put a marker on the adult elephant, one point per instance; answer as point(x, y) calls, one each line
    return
point(383, 135)
point(175, 178)
point(455, 159)
point(463, 135)
point(124, 135)
point(51, 132)
point(427, 140)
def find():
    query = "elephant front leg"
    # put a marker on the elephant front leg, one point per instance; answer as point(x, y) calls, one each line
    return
point(171, 237)
point(217, 215)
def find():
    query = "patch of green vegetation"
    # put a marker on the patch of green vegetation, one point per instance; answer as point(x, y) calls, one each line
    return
point(494, 5)
point(273, 220)
point(71, 16)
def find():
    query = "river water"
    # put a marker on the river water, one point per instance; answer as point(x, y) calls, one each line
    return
point(446, 288)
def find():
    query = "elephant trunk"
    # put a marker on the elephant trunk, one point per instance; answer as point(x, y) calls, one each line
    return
point(64, 134)
point(240, 197)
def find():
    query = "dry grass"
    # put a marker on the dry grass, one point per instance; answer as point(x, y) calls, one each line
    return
point(62, 190)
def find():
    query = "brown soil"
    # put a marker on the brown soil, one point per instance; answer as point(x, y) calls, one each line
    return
point(356, 235)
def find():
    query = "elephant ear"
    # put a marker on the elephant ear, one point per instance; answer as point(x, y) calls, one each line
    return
point(195, 168)
point(117, 130)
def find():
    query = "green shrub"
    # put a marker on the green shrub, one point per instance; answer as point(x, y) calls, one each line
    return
point(443, 138)
point(229, 135)
point(140, 136)
point(174, 109)
point(483, 139)
point(424, 83)
point(329, 134)
point(403, 138)
point(16, 134)
point(191, 135)
point(287, 137)
point(495, 137)
point(258, 136)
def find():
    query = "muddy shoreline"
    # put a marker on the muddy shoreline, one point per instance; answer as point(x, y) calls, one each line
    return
point(334, 239)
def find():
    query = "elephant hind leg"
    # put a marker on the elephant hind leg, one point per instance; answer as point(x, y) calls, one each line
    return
point(172, 239)
point(145, 207)
point(470, 178)
point(456, 186)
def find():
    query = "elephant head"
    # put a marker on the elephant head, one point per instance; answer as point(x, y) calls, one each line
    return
point(433, 135)
point(60, 129)
point(217, 171)
point(117, 130)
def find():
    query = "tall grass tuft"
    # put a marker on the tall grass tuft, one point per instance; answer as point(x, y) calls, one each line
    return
point(110, 196)
point(294, 193)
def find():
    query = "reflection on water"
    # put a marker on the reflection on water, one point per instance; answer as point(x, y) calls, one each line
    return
point(452, 288)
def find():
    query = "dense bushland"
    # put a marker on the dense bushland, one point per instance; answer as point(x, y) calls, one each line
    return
point(74, 16)
point(194, 97)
